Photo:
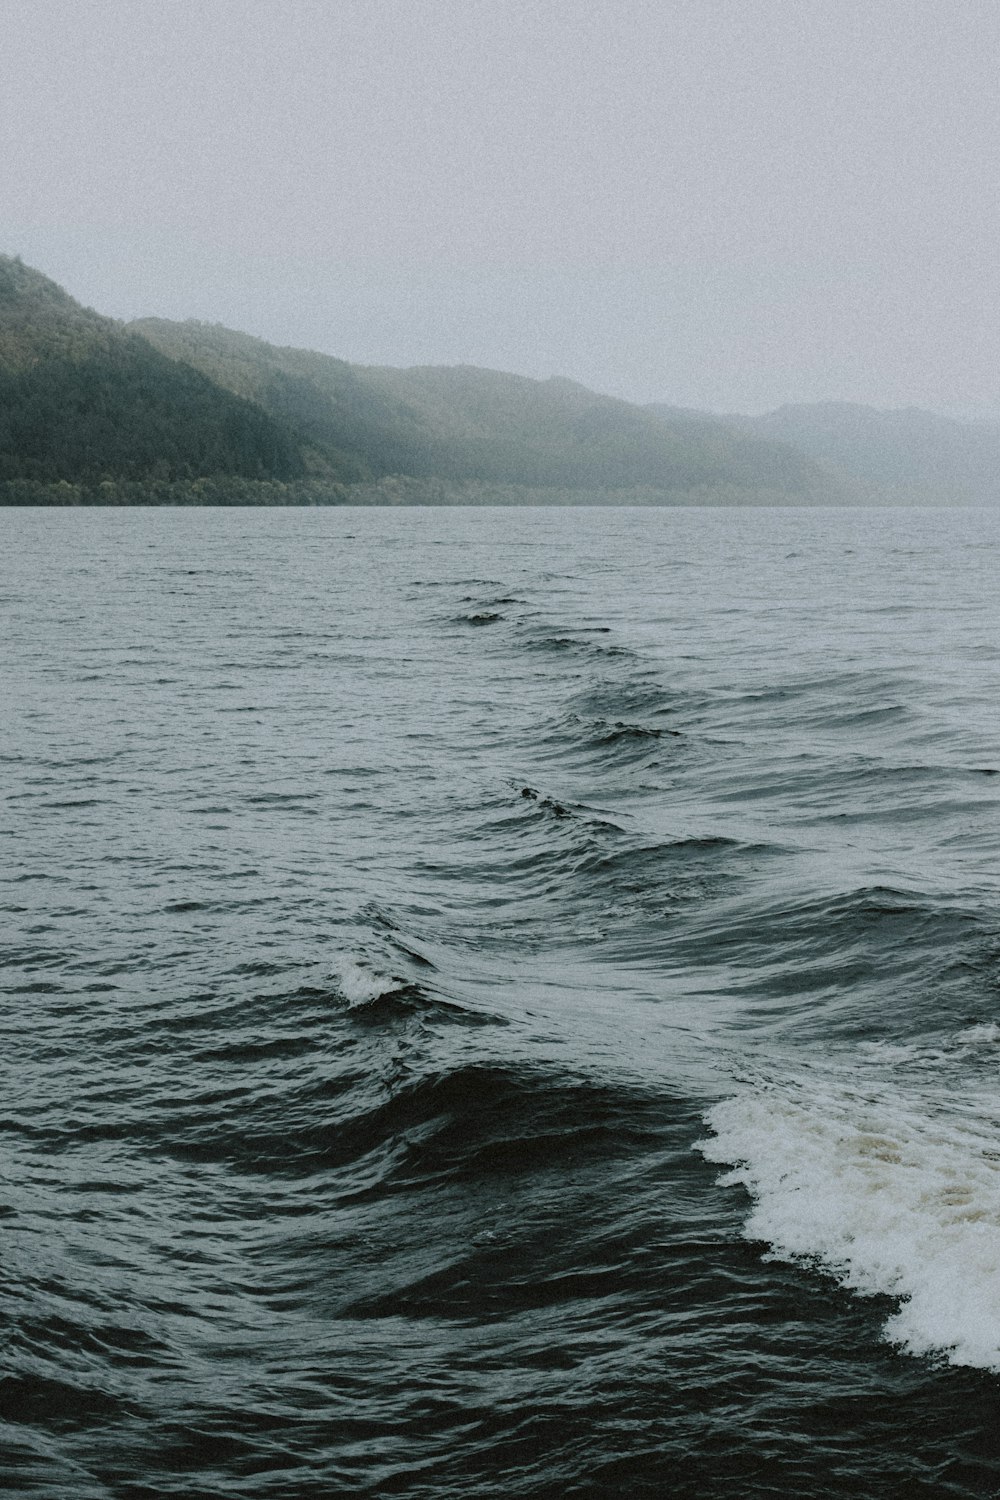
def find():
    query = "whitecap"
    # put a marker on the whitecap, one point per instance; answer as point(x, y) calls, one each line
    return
point(890, 1185)
point(361, 986)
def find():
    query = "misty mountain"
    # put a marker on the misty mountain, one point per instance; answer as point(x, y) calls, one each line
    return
point(203, 412)
point(345, 429)
point(908, 456)
point(461, 424)
point(84, 400)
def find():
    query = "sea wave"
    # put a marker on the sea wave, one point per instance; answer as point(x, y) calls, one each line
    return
point(882, 1169)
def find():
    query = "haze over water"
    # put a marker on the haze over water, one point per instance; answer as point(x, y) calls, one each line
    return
point(500, 1002)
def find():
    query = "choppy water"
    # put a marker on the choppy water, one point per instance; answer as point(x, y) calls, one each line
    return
point(500, 1003)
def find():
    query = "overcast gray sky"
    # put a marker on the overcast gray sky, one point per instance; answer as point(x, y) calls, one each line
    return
point(719, 203)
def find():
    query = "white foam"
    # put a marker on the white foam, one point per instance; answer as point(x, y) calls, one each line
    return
point(890, 1185)
point(361, 986)
point(987, 1033)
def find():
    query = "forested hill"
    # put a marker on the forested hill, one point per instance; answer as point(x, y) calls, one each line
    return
point(481, 428)
point(85, 401)
point(558, 432)
point(95, 411)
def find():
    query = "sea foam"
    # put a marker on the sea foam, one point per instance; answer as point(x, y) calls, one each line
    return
point(891, 1185)
point(361, 986)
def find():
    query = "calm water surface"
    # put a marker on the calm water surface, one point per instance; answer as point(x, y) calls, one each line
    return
point(500, 1003)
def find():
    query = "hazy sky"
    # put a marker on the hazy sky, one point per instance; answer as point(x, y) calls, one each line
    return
point(718, 203)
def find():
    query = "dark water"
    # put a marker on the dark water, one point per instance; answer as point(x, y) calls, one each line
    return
point(500, 1004)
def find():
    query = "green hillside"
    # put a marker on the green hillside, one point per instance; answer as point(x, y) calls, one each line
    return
point(94, 411)
point(84, 401)
point(464, 426)
point(344, 429)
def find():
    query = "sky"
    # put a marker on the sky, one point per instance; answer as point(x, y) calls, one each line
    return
point(723, 204)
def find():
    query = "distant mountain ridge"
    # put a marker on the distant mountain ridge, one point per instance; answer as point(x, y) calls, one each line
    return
point(463, 424)
point(92, 411)
point(96, 411)
point(904, 455)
